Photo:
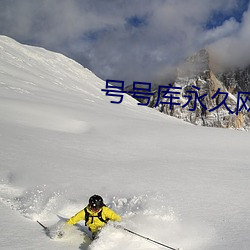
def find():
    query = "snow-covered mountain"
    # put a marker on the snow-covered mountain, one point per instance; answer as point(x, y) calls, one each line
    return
point(61, 140)
point(200, 74)
point(236, 79)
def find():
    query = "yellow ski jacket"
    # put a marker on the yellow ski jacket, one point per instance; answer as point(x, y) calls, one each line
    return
point(94, 223)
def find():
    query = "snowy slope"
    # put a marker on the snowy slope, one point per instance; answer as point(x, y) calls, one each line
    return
point(62, 140)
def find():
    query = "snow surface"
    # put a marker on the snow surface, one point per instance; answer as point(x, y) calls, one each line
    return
point(62, 140)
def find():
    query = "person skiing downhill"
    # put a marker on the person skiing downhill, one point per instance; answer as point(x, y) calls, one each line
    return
point(95, 214)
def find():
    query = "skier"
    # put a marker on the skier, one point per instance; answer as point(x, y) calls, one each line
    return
point(95, 214)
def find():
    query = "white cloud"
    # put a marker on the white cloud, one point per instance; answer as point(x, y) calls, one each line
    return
point(233, 50)
point(228, 28)
point(98, 34)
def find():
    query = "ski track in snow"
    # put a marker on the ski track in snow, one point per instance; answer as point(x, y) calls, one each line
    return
point(42, 116)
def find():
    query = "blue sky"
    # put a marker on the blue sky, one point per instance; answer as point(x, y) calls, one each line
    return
point(131, 40)
point(218, 17)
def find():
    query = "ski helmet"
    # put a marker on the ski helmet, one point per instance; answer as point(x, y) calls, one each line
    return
point(95, 202)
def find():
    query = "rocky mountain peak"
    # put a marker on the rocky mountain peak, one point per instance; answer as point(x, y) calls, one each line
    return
point(207, 96)
point(196, 64)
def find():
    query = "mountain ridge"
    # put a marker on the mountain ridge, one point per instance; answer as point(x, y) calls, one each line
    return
point(198, 73)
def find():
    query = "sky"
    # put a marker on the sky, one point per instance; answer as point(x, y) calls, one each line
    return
point(132, 40)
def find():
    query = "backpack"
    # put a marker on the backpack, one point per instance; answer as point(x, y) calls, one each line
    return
point(88, 216)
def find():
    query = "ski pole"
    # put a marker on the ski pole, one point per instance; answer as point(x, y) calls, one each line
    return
point(146, 238)
point(45, 228)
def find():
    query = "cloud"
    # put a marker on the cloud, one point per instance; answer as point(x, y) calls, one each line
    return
point(228, 28)
point(127, 40)
point(233, 49)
